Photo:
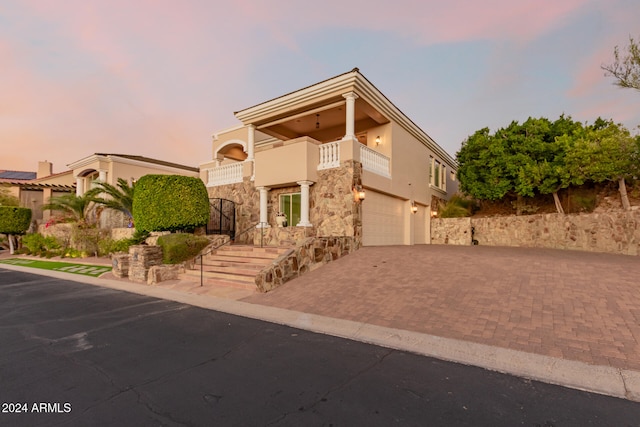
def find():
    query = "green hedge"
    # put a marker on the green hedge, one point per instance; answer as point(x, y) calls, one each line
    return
point(179, 247)
point(170, 203)
point(14, 220)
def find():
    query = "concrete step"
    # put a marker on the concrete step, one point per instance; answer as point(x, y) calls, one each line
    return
point(234, 265)
point(223, 275)
point(210, 281)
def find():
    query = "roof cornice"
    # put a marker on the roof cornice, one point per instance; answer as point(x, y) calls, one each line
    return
point(352, 81)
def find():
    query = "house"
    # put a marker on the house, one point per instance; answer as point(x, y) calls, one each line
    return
point(33, 189)
point(338, 159)
point(108, 167)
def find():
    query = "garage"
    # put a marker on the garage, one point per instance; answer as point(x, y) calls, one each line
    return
point(382, 220)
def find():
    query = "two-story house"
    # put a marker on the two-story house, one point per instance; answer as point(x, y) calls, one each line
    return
point(336, 159)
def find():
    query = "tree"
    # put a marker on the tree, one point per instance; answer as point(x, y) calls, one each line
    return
point(120, 197)
point(605, 152)
point(626, 66)
point(76, 207)
point(14, 220)
point(521, 159)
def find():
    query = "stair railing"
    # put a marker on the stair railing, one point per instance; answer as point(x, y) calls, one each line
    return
point(201, 255)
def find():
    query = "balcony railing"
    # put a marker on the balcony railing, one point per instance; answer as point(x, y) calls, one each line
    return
point(375, 162)
point(329, 155)
point(227, 174)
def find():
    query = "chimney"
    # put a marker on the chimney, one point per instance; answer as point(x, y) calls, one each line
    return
point(44, 169)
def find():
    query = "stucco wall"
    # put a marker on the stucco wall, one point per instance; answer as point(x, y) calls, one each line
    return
point(612, 232)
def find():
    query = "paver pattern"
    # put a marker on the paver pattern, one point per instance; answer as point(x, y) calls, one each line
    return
point(574, 305)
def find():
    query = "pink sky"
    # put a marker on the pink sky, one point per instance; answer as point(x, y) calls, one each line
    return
point(157, 78)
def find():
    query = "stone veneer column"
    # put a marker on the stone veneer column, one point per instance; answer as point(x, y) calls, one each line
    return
point(351, 115)
point(304, 203)
point(264, 198)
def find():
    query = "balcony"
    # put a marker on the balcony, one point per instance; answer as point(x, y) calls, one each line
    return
point(299, 160)
point(372, 161)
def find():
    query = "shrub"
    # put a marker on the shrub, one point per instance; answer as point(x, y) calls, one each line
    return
point(170, 203)
point(37, 244)
point(456, 207)
point(179, 247)
point(109, 246)
point(14, 220)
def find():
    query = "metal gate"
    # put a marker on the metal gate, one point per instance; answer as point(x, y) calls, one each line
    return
point(222, 219)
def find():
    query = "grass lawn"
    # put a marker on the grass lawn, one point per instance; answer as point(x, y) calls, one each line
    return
point(67, 267)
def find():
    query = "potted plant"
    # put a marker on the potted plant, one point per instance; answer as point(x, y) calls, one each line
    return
point(281, 219)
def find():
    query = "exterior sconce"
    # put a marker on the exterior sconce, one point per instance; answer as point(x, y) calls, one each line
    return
point(358, 193)
point(414, 208)
point(378, 141)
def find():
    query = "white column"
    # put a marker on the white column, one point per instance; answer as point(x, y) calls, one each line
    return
point(264, 206)
point(251, 141)
point(102, 175)
point(79, 186)
point(351, 115)
point(304, 203)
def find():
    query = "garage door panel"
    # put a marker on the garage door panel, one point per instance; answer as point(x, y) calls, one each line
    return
point(382, 220)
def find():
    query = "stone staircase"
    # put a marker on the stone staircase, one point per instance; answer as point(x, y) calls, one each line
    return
point(234, 265)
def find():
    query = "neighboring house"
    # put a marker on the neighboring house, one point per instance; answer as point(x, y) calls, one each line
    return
point(109, 167)
point(310, 154)
point(33, 189)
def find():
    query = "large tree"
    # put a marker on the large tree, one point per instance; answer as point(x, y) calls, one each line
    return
point(626, 66)
point(605, 151)
point(520, 159)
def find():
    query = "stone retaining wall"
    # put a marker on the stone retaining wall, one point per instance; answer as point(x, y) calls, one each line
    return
point(611, 232)
point(306, 256)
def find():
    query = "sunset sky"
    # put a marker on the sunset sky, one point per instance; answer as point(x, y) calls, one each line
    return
point(158, 78)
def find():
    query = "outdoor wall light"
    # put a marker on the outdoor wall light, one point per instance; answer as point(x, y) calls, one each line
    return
point(358, 193)
point(378, 140)
point(414, 208)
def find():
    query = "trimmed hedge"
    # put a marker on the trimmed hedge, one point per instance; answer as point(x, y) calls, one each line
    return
point(170, 203)
point(179, 247)
point(14, 220)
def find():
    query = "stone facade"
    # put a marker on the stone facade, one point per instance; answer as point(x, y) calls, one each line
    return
point(247, 200)
point(120, 265)
point(332, 209)
point(142, 258)
point(306, 256)
point(611, 232)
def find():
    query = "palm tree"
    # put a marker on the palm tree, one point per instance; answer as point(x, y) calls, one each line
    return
point(77, 207)
point(120, 197)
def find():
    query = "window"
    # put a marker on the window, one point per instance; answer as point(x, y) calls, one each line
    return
point(290, 206)
point(437, 174)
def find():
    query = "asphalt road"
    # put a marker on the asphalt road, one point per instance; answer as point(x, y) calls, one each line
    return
point(78, 355)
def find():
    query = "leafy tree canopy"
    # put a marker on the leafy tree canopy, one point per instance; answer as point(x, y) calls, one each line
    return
point(542, 157)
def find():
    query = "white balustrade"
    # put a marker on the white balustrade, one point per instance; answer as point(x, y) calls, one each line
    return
point(329, 155)
point(375, 162)
point(227, 174)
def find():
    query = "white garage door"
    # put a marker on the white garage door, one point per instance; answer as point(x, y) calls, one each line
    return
point(382, 220)
point(420, 226)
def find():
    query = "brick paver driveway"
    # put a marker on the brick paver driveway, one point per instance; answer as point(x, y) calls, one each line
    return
point(568, 304)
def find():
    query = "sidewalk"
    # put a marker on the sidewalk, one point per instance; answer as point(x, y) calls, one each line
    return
point(568, 318)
